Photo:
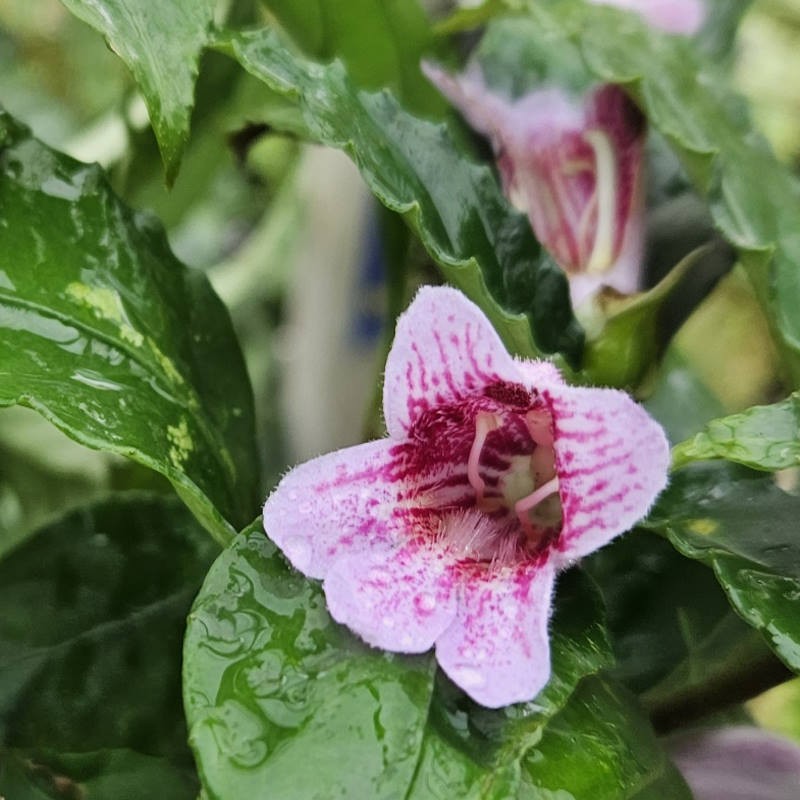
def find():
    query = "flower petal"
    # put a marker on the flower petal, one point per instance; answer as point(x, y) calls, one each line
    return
point(486, 111)
point(737, 763)
point(337, 503)
point(611, 461)
point(444, 350)
point(398, 600)
point(497, 649)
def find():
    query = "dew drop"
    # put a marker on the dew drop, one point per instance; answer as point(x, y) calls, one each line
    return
point(467, 677)
point(298, 551)
point(388, 622)
point(426, 602)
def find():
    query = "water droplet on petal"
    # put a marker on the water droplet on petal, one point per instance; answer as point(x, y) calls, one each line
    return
point(298, 551)
point(305, 508)
point(426, 602)
point(388, 622)
point(467, 677)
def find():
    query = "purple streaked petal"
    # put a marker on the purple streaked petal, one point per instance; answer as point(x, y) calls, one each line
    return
point(673, 16)
point(399, 600)
point(497, 649)
point(486, 111)
point(337, 503)
point(611, 461)
point(444, 350)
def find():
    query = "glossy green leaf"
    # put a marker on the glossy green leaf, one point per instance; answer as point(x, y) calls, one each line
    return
point(92, 612)
point(421, 170)
point(600, 747)
point(755, 201)
point(108, 337)
point(271, 683)
point(473, 752)
point(745, 527)
point(381, 43)
point(161, 44)
point(272, 686)
point(763, 437)
point(102, 775)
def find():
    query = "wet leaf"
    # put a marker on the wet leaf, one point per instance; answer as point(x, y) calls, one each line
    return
point(281, 701)
point(745, 527)
point(763, 437)
point(271, 682)
point(110, 338)
point(421, 170)
point(161, 44)
point(600, 747)
point(92, 612)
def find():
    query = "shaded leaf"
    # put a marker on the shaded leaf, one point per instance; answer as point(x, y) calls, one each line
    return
point(763, 437)
point(744, 527)
point(660, 607)
point(601, 746)
point(110, 338)
point(103, 775)
point(92, 612)
point(161, 44)
point(420, 170)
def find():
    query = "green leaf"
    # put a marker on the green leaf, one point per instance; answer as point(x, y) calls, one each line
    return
point(161, 44)
point(110, 338)
point(381, 43)
point(744, 527)
point(755, 201)
point(600, 747)
point(680, 401)
point(92, 612)
point(627, 337)
point(103, 775)
point(763, 437)
point(473, 752)
point(422, 171)
point(272, 686)
point(270, 682)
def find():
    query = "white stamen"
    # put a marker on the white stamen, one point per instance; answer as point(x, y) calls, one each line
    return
point(606, 191)
point(485, 423)
point(523, 506)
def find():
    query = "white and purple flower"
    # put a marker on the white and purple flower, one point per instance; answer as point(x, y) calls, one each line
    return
point(494, 476)
point(574, 168)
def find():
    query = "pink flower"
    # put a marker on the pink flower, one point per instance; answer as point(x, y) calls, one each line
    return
point(576, 170)
point(494, 476)
point(673, 16)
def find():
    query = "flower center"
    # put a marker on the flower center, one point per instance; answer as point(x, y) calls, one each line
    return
point(527, 485)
